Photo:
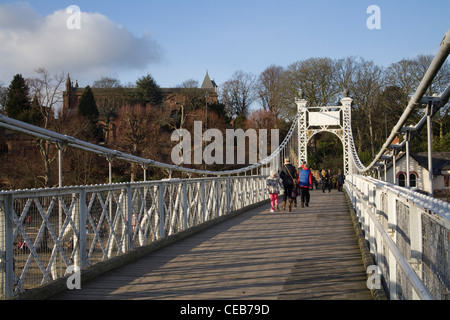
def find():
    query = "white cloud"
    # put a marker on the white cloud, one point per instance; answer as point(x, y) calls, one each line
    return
point(99, 48)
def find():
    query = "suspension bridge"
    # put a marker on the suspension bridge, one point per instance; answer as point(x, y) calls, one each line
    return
point(213, 237)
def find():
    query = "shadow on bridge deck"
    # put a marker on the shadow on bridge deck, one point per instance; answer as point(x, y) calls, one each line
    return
point(311, 253)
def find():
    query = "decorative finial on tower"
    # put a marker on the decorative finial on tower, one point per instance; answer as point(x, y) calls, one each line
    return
point(346, 93)
point(68, 84)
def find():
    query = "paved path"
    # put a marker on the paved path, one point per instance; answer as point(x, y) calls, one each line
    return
point(311, 253)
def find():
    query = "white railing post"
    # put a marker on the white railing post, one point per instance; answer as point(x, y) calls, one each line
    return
point(217, 180)
point(82, 228)
point(161, 232)
point(75, 215)
point(392, 216)
point(6, 247)
point(415, 224)
point(203, 202)
point(228, 195)
point(129, 218)
point(185, 205)
point(386, 239)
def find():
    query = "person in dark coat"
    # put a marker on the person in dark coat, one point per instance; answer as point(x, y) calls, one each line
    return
point(330, 180)
point(324, 180)
point(340, 180)
point(289, 178)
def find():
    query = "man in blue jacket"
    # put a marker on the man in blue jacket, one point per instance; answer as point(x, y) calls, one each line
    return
point(305, 182)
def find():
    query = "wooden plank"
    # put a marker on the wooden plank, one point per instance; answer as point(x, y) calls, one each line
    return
point(311, 253)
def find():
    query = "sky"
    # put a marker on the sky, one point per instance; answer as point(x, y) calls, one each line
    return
point(177, 40)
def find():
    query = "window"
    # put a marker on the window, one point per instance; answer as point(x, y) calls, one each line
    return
point(413, 180)
point(3, 148)
point(446, 180)
point(402, 179)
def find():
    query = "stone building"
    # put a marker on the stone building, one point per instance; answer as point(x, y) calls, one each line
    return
point(118, 96)
point(419, 173)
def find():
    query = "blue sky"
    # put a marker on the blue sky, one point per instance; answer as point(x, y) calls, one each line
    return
point(176, 40)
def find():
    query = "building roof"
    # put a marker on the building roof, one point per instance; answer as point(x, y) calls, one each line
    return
point(208, 83)
point(441, 160)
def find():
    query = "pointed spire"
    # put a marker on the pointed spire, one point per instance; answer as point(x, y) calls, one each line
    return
point(68, 83)
point(207, 83)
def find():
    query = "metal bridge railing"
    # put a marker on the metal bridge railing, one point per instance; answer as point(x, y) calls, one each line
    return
point(408, 235)
point(46, 231)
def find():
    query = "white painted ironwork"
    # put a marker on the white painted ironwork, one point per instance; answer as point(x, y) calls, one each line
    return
point(401, 227)
point(333, 119)
point(63, 140)
point(101, 222)
point(45, 231)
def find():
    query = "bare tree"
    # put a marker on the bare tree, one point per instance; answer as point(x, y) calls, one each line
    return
point(239, 93)
point(317, 77)
point(139, 133)
point(3, 97)
point(439, 84)
point(47, 91)
point(403, 75)
point(346, 72)
point(189, 84)
point(270, 89)
point(108, 103)
point(366, 91)
point(407, 74)
point(106, 83)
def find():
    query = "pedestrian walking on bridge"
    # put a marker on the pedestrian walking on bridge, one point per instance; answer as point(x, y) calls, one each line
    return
point(289, 177)
point(305, 182)
point(274, 186)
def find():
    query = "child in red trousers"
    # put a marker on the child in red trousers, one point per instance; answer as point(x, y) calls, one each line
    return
point(274, 185)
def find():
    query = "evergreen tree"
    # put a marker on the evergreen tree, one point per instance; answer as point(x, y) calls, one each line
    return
point(87, 109)
point(147, 91)
point(32, 114)
point(87, 106)
point(17, 101)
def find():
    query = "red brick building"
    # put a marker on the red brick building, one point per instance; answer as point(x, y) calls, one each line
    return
point(117, 98)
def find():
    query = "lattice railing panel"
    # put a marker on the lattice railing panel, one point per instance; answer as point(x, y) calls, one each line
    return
point(54, 229)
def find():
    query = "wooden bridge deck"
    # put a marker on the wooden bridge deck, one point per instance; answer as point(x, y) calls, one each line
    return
point(310, 253)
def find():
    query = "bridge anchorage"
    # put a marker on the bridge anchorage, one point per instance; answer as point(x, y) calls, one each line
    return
point(80, 227)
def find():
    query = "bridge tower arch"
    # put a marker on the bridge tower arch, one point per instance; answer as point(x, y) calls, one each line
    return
point(334, 119)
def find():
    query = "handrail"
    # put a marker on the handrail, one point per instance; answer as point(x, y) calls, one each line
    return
point(84, 225)
point(433, 69)
point(41, 133)
point(367, 196)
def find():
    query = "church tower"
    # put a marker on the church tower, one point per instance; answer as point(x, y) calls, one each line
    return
point(70, 98)
point(208, 83)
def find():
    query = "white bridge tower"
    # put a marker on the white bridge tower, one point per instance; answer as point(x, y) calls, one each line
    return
point(334, 119)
